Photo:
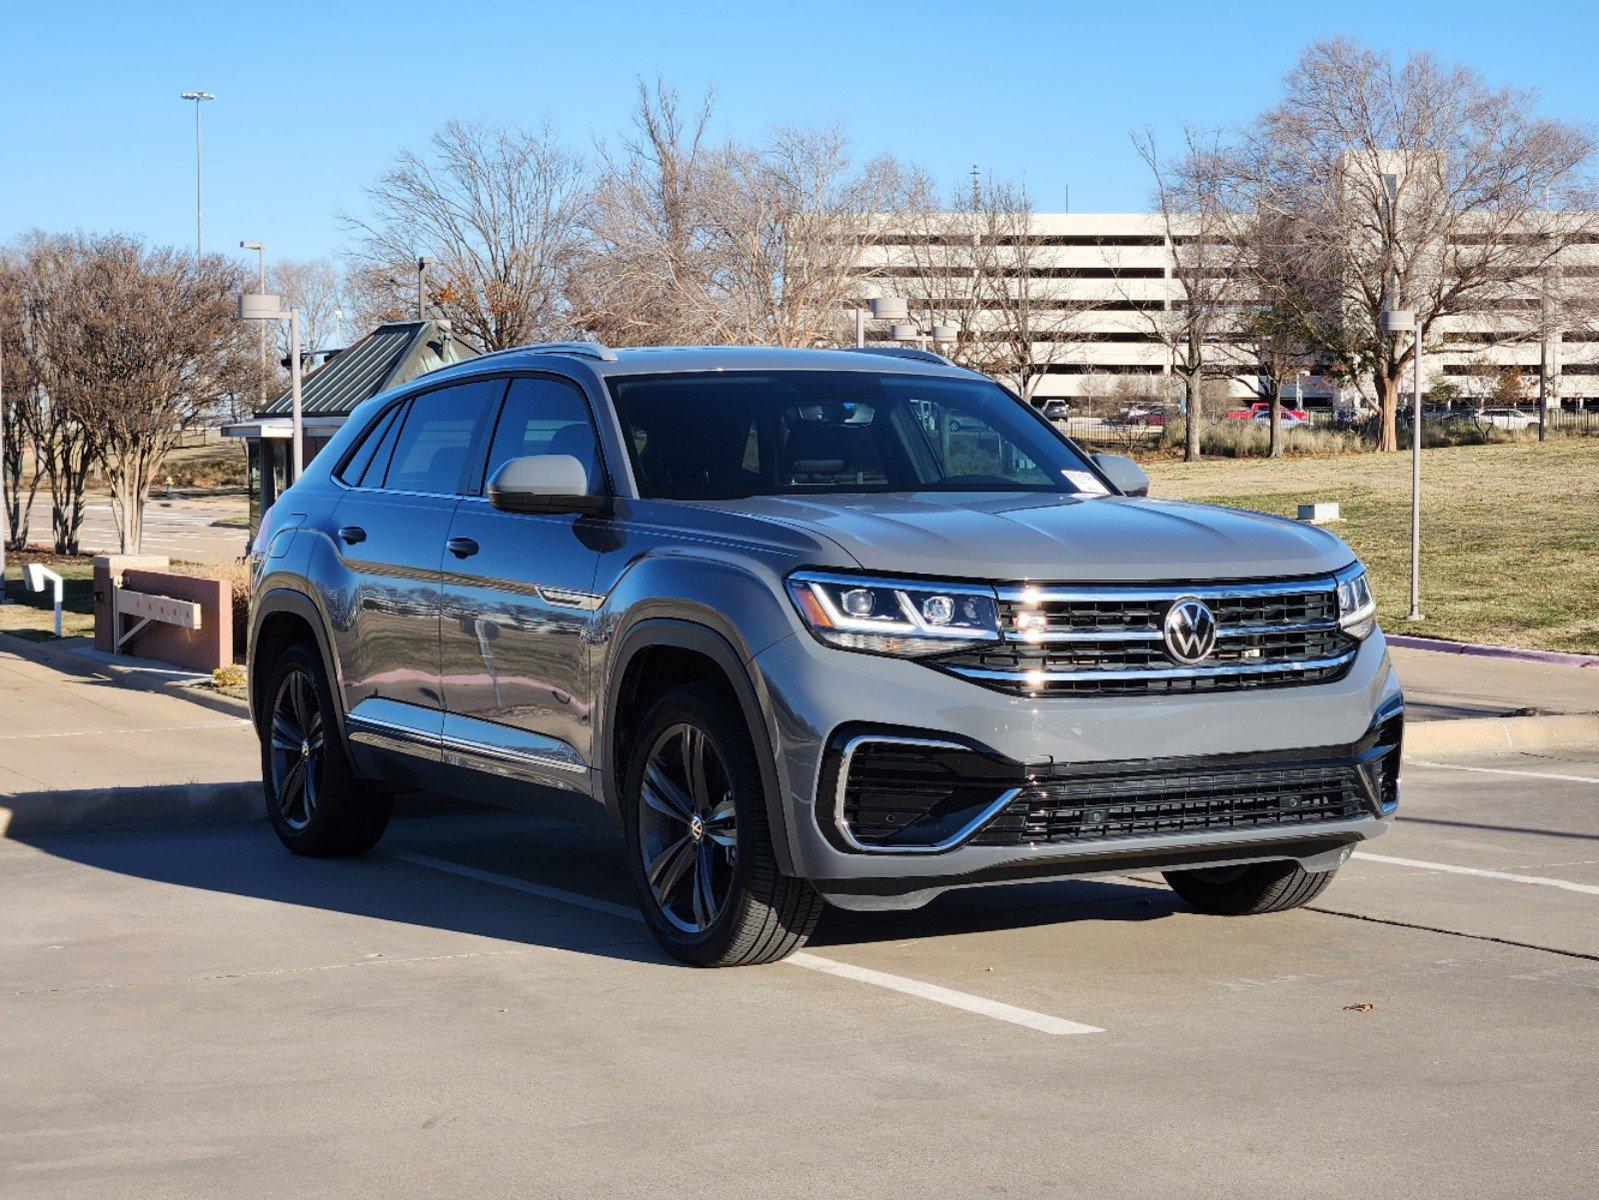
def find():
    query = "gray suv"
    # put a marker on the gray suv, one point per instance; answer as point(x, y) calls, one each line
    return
point(809, 626)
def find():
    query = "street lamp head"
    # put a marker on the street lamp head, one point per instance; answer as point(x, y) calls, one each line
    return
point(889, 308)
point(261, 306)
point(423, 264)
point(251, 246)
point(196, 96)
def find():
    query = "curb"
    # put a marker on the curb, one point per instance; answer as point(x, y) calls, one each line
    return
point(76, 655)
point(1555, 658)
point(92, 809)
point(1490, 735)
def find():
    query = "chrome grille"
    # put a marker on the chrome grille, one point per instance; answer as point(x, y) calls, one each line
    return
point(1106, 640)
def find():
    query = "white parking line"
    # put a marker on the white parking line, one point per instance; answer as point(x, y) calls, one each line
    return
point(942, 995)
point(1438, 766)
point(72, 733)
point(1587, 889)
point(964, 1001)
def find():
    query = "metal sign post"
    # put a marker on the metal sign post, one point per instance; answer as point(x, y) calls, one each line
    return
point(1404, 321)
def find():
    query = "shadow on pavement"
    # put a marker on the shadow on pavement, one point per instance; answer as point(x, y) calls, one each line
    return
point(247, 860)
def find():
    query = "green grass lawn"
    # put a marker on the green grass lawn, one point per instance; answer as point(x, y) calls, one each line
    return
point(1510, 533)
point(29, 614)
point(219, 464)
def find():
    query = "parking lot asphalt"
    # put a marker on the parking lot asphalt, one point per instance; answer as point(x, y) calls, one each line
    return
point(181, 527)
point(475, 1010)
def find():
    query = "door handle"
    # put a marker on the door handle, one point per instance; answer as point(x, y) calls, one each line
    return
point(461, 547)
point(350, 535)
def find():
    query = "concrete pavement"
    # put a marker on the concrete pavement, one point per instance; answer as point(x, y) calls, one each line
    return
point(78, 746)
point(197, 1013)
point(1440, 686)
point(183, 527)
point(475, 1008)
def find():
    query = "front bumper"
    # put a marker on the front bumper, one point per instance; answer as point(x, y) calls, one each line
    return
point(815, 693)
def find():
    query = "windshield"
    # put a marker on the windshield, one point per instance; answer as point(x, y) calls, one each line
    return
point(728, 434)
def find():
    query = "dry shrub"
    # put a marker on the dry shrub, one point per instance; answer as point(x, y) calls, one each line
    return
point(1252, 439)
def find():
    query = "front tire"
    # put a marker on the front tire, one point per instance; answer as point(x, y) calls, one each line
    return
point(1247, 891)
point(699, 845)
point(316, 803)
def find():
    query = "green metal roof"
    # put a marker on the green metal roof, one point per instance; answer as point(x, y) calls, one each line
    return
point(392, 354)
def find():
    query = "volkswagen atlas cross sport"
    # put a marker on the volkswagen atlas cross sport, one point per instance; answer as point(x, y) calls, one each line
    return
point(807, 627)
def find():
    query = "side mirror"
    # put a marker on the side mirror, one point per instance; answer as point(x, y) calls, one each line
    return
point(544, 483)
point(1127, 475)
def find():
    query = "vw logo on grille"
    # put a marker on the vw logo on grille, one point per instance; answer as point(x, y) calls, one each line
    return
point(1189, 630)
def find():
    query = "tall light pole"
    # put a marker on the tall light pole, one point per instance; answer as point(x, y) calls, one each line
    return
point(5, 512)
point(260, 251)
point(422, 264)
point(199, 98)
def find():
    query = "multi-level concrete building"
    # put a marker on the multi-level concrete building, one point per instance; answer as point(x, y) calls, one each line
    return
point(1109, 276)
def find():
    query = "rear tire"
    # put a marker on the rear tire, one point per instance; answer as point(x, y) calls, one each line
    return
point(699, 845)
point(1246, 891)
point(317, 805)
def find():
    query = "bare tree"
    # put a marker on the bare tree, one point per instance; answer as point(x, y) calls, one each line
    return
point(315, 286)
point(497, 210)
point(647, 275)
point(1204, 262)
point(21, 400)
point(53, 275)
point(790, 222)
point(1027, 323)
point(1408, 184)
point(145, 345)
point(981, 265)
point(375, 294)
point(1266, 337)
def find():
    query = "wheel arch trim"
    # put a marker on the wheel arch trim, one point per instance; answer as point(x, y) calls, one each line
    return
point(296, 603)
point(687, 634)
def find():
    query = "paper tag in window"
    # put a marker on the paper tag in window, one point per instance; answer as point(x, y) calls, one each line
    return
point(1085, 482)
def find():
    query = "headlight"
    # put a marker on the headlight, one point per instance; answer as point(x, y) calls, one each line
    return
point(1357, 609)
point(908, 618)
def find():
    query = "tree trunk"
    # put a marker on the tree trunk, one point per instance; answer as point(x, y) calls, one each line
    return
point(18, 503)
point(1388, 410)
point(1276, 449)
point(124, 511)
point(1191, 433)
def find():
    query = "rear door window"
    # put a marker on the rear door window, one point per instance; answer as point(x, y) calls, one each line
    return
point(431, 452)
point(378, 438)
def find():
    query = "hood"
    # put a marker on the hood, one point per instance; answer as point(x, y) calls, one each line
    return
point(1055, 538)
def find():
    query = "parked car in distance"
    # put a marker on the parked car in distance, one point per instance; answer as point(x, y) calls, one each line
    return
point(1264, 407)
point(1056, 410)
point(1145, 416)
point(808, 627)
point(1289, 417)
point(1507, 418)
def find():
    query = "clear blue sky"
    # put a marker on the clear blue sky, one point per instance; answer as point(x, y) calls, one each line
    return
point(313, 99)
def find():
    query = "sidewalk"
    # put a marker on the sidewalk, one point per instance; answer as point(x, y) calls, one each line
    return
point(1440, 686)
point(80, 748)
